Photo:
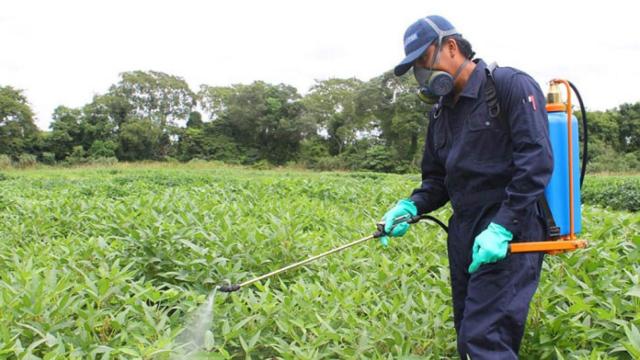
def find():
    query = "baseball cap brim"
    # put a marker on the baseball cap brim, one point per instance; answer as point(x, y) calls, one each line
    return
point(407, 62)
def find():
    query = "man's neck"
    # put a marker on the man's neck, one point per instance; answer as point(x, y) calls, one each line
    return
point(464, 76)
point(462, 79)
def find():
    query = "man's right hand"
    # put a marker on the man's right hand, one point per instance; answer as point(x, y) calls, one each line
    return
point(404, 207)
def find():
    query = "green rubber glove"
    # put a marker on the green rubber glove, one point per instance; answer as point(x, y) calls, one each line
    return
point(490, 246)
point(403, 207)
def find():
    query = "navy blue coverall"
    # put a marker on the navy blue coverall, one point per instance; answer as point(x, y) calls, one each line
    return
point(491, 170)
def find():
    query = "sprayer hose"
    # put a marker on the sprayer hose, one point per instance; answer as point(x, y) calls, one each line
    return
point(584, 134)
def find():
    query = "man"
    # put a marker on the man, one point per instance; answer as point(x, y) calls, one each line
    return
point(490, 156)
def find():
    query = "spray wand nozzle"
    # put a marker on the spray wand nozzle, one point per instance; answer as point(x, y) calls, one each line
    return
point(229, 288)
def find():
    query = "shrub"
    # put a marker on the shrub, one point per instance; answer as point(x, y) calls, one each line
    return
point(105, 161)
point(26, 160)
point(327, 163)
point(77, 156)
point(262, 165)
point(103, 149)
point(48, 158)
point(5, 161)
point(615, 192)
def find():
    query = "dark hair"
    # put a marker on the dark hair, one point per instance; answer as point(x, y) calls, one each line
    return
point(463, 44)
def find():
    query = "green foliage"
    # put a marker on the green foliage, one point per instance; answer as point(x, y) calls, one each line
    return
point(5, 161)
point(26, 160)
point(18, 132)
point(195, 120)
point(139, 139)
point(603, 157)
point(160, 97)
point(588, 301)
point(66, 131)
point(261, 165)
point(616, 192)
point(103, 161)
point(629, 125)
point(150, 115)
point(104, 263)
point(331, 106)
point(48, 158)
point(375, 158)
point(328, 163)
point(261, 117)
point(204, 143)
point(77, 156)
point(392, 104)
point(614, 139)
point(603, 126)
point(313, 148)
point(104, 149)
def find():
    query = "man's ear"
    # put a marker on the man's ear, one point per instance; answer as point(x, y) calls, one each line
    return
point(452, 47)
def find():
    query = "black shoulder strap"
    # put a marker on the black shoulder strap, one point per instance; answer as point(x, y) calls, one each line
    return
point(491, 94)
point(493, 102)
point(553, 230)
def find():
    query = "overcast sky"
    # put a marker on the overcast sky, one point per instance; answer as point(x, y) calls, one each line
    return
point(65, 52)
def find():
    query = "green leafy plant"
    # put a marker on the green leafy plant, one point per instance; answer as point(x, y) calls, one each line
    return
point(110, 262)
point(616, 192)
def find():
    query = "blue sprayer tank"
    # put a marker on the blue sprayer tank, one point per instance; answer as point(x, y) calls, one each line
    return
point(557, 191)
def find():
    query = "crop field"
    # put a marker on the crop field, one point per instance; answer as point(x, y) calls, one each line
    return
point(109, 263)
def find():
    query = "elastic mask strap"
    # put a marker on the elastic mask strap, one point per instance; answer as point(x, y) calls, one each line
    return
point(437, 57)
point(441, 34)
point(460, 68)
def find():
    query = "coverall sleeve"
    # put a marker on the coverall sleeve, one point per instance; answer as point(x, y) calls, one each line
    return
point(432, 194)
point(524, 107)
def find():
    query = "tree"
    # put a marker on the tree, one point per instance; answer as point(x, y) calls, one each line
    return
point(331, 104)
point(139, 140)
point(402, 116)
point(206, 143)
point(101, 148)
point(261, 117)
point(159, 97)
point(18, 132)
point(111, 109)
point(66, 131)
point(214, 99)
point(629, 125)
point(102, 117)
point(97, 121)
point(195, 120)
point(605, 127)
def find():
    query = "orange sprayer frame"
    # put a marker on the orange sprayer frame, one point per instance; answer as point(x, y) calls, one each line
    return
point(552, 247)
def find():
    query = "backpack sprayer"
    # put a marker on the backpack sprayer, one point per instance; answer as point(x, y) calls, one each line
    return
point(560, 203)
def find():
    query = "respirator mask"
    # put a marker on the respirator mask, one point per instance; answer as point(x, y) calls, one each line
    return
point(435, 83)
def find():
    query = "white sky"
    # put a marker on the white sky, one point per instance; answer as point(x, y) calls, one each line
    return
point(64, 52)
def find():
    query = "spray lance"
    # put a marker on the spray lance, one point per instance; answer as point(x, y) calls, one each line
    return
point(379, 233)
point(562, 195)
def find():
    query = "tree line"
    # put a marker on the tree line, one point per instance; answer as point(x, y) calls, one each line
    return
point(375, 125)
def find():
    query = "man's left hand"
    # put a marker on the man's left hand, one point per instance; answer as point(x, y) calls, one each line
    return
point(490, 246)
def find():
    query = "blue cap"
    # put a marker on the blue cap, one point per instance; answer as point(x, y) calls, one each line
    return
point(419, 36)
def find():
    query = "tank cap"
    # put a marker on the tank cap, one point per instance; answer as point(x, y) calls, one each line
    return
point(557, 107)
point(554, 99)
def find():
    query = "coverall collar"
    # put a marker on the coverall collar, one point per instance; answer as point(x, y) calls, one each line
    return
point(472, 87)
